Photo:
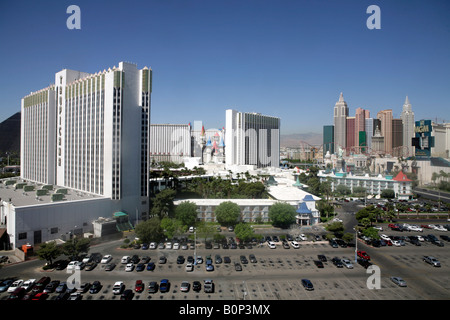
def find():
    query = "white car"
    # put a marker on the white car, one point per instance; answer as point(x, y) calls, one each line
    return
point(420, 238)
point(106, 259)
point(415, 228)
point(27, 285)
point(191, 229)
point(16, 284)
point(189, 267)
point(303, 237)
point(125, 260)
point(75, 265)
point(346, 262)
point(153, 245)
point(118, 287)
point(129, 267)
point(295, 245)
point(396, 243)
point(439, 228)
point(379, 228)
point(169, 245)
point(385, 237)
point(176, 246)
point(271, 245)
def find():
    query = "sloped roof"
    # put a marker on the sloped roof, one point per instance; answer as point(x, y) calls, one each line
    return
point(401, 177)
point(303, 208)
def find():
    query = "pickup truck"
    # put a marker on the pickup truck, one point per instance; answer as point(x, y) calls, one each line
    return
point(432, 260)
point(363, 255)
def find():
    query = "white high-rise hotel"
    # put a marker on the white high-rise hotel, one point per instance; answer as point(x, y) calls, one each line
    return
point(88, 133)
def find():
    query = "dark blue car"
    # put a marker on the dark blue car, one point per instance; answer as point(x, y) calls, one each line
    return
point(164, 286)
point(151, 266)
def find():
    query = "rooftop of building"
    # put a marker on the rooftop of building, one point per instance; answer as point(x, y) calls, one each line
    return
point(22, 193)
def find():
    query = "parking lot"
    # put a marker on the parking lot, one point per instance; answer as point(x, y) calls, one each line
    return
point(276, 275)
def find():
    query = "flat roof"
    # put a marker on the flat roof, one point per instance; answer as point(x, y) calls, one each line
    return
point(21, 198)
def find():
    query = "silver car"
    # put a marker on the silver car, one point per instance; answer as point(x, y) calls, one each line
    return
point(347, 263)
point(398, 281)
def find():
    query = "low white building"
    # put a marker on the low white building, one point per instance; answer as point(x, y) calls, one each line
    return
point(254, 210)
point(36, 213)
point(374, 185)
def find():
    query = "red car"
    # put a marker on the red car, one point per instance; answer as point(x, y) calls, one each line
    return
point(363, 254)
point(139, 287)
point(40, 296)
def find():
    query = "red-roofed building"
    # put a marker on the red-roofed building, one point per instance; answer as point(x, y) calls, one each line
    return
point(403, 186)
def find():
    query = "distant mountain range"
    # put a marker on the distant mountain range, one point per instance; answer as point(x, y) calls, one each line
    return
point(10, 135)
point(294, 140)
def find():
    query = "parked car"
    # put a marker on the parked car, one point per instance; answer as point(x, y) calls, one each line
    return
point(28, 284)
point(252, 258)
point(347, 263)
point(4, 285)
point(16, 284)
point(153, 287)
point(164, 286)
point(196, 286)
point(110, 266)
point(318, 263)
point(151, 266)
point(208, 286)
point(106, 259)
point(322, 258)
point(271, 245)
point(128, 294)
point(125, 260)
point(118, 287)
point(51, 287)
point(398, 281)
point(337, 262)
point(237, 267)
point(295, 244)
point(189, 267)
point(185, 286)
point(307, 284)
point(139, 286)
point(96, 287)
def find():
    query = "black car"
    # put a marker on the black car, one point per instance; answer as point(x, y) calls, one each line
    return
point(63, 296)
point(252, 258)
point(333, 244)
point(153, 287)
point(318, 263)
point(135, 259)
point(307, 284)
point(180, 260)
point(243, 260)
point(90, 266)
point(322, 258)
point(446, 238)
point(127, 295)
point(237, 267)
point(51, 287)
point(196, 286)
point(337, 262)
point(96, 287)
point(226, 260)
point(140, 267)
point(61, 264)
point(364, 262)
point(218, 259)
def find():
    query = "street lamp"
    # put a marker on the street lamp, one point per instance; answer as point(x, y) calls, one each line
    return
point(356, 244)
point(195, 247)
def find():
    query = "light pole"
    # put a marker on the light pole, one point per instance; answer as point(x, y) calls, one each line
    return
point(195, 247)
point(356, 244)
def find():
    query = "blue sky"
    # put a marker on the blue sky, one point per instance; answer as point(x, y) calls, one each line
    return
point(286, 58)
